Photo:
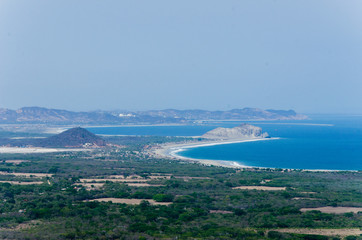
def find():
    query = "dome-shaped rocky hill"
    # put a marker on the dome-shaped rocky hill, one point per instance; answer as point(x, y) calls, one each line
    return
point(74, 137)
point(239, 132)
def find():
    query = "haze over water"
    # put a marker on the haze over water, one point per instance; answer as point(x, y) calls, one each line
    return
point(325, 142)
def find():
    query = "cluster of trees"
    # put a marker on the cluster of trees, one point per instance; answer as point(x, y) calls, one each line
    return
point(61, 211)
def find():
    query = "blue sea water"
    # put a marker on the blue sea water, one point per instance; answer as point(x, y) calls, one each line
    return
point(165, 130)
point(324, 142)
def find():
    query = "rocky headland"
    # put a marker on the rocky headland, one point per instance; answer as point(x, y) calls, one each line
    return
point(240, 132)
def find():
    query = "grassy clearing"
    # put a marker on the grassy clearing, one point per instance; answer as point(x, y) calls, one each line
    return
point(336, 210)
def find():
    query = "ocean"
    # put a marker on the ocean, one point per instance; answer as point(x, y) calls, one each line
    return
point(323, 143)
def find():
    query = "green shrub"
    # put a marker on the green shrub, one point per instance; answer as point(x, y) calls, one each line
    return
point(163, 198)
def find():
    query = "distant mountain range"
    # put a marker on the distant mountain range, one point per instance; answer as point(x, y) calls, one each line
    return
point(234, 114)
point(45, 115)
point(56, 116)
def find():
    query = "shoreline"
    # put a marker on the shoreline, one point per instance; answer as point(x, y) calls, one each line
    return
point(170, 151)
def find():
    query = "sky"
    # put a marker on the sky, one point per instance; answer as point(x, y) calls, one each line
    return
point(217, 55)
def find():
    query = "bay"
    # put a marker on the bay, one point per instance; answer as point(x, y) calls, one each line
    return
point(328, 142)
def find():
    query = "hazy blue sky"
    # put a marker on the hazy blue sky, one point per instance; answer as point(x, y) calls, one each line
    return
point(137, 55)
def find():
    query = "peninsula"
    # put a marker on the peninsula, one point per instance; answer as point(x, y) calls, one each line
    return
point(217, 136)
point(242, 131)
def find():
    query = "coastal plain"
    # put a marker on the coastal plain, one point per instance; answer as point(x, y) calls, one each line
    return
point(136, 187)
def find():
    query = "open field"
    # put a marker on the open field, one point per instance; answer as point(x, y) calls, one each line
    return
point(189, 178)
point(22, 226)
point(221, 211)
point(21, 183)
point(325, 232)
point(133, 176)
point(262, 188)
point(16, 161)
point(337, 210)
point(159, 177)
point(305, 198)
point(39, 150)
point(28, 175)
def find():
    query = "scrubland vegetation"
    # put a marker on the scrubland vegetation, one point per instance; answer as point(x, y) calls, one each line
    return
point(204, 201)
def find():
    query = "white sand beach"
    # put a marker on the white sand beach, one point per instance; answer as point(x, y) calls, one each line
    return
point(170, 151)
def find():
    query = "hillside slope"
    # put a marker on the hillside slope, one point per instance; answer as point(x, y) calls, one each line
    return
point(239, 132)
point(75, 137)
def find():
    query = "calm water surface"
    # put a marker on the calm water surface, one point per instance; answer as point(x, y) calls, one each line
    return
point(324, 142)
